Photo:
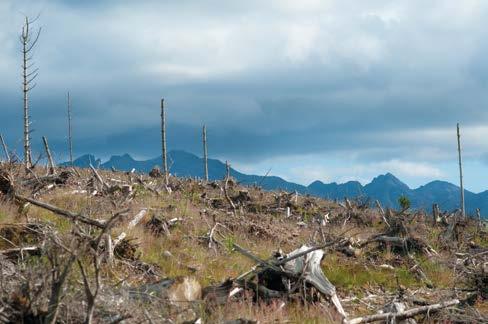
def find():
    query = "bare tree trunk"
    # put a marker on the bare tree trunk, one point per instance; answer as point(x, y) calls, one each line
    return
point(5, 150)
point(49, 156)
point(463, 211)
point(70, 138)
point(28, 77)
point(163, 138)
point(478, 214)
point(205, 153)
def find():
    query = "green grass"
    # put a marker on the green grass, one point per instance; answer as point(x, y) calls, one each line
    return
point(351, 275)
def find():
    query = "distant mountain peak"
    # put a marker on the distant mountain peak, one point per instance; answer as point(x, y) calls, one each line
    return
point(123, 157)
point(387, 178)
point(386, 188)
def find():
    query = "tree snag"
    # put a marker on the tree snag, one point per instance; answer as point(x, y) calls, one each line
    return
point(28, 40)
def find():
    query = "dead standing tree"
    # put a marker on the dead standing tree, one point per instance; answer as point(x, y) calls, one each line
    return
point(205, 153)
point(462, 207)
point(163, 139)
point(70, 138)
point(28, 39)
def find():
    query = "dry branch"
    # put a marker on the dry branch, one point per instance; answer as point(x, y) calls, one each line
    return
point(393, 317)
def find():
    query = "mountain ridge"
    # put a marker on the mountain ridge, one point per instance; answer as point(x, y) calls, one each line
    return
point(385, 188)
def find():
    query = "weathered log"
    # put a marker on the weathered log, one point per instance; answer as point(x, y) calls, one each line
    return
point(392, 317)
point(65, 213)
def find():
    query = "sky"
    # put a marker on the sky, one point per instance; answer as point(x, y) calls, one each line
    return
point(311, 89)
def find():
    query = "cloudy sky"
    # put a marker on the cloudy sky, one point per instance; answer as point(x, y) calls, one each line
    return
point(314, 89)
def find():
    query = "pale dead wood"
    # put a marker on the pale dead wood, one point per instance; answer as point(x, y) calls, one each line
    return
point(308, 267)
point(28, 40)
point(98, 177)
point(49, 156)
point(137, 218)
point(393, 317)
point(382, 212)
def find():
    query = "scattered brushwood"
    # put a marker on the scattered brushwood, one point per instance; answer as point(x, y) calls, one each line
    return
point(38, 183)
point(73, 258)
point(355, 212)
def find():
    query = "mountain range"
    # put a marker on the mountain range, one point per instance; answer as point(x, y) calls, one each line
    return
point(385, 188)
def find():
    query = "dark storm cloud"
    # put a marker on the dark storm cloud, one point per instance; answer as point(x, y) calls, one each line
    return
point(268, 79)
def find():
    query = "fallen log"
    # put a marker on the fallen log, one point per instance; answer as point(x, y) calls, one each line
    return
point(393, 317)
point(65, 213)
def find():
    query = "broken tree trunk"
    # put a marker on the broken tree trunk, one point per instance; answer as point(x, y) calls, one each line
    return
point(308, 266)
point(226, 189)
point(49, 156)
point(99, 178)
point(393, 317)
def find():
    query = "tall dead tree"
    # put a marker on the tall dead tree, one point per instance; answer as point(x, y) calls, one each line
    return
point(205, 153)
point(5, 150)
point(462, 207)
point(28, 40)
point(163, 138)
point(70, 138)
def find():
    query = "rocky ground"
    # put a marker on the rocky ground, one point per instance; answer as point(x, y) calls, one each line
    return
point(86, 245)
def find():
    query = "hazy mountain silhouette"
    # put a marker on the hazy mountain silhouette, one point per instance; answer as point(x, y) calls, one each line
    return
point(385, 188)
